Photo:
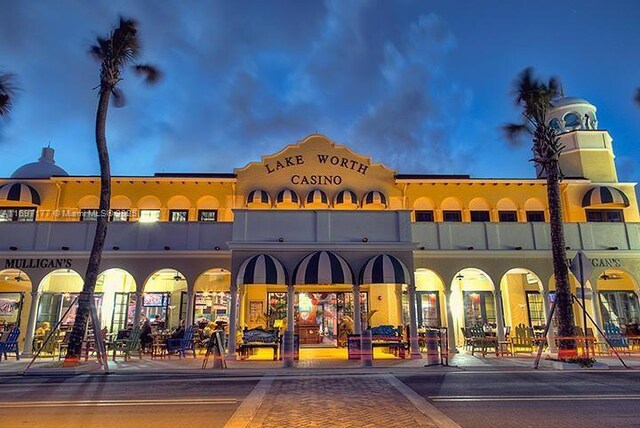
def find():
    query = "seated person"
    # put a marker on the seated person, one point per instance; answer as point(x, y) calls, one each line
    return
point(43, 329)
point(145, 335)
point(178, 333)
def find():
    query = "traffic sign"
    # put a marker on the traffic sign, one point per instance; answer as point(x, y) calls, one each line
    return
point(581, 267)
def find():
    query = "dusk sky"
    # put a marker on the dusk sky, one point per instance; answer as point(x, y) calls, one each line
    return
point(421, 86)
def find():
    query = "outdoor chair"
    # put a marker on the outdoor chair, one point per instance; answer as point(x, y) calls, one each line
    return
point(479, 339)
point(9, 344)
point(616, 339)
point(126, 346)
point(523, 339)
point(183, 344)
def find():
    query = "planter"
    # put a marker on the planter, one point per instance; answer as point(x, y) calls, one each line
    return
point(560, 365)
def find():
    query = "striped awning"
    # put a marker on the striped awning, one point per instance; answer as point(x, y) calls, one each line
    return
point(604, 195)
point(374, 197)
point(19, 192)
point(258, 196)
point(346, 197)
point(262, 269)
point(317, 197)
point(323, 267)
point(384, 269)
point(287, 196)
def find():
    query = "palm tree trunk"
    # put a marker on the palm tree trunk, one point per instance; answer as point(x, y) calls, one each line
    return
point(93, 267)
point(559, 252)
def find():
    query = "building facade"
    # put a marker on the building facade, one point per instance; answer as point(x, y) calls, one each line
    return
point(322, 227)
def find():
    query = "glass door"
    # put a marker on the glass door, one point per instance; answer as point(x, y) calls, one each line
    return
point(428, 303)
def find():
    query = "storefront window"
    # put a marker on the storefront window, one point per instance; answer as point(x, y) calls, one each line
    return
point(479, 308)
point(277, 309)
point(605, 216)
point(536, 309)
point(209, 306)
point(53, 307)
point(10, 308)
point(428, 308)
point(149, 216)
point(208, 215)
point(619, 307)
point(178, 215)
point(480, 216)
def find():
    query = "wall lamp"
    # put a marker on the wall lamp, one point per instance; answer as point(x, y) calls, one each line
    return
point(567, 247)
point(116, 248)
point(470, 247)
point(167, 248)
point(64, 248)
point(365, 239)
point(517, 248)
point(13, 248)
point(216, 248)
point(613, 248)
point(421, 248)
point(281, 239)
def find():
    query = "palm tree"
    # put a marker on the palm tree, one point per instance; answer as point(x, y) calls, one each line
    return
point(118, 50)
point(7, 93)
point(534, 97)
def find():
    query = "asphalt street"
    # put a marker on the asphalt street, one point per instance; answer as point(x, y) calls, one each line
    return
point(469, 398)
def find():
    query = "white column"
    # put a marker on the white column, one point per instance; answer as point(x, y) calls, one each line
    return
point(497, 298)
point(551, 336)
point(31, 324)
point(191, 301)
point(233, 323)
point(357, 318)
point(288, 345)
point(137, 313)
point(451, 328)
point(399, 305)
point(413, 326)
point(597, 313)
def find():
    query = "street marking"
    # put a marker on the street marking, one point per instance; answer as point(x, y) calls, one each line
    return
point(244, 414)
point(118, 403)
point(426, 408)
point(478, 398)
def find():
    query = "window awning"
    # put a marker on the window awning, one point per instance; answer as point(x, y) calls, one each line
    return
point(385, 269)
point(262, 269)
point(604, 196)
point(323, 267)
point(19, 192)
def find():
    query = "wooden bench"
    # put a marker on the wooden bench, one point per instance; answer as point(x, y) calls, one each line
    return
point(388, 336)
point(258, 338)
point(9, 344)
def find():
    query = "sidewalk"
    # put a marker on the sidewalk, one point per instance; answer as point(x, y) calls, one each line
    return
point(175, 365)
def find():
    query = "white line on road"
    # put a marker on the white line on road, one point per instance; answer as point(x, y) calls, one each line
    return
point(116, 403)
point(421, 404)
point(246, 412)
point(471, 398)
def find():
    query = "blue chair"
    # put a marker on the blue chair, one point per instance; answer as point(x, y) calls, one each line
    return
point(183, 344)
point(616, 339)
point(10, 344)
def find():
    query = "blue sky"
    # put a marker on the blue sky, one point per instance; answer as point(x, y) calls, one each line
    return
point(421, 86)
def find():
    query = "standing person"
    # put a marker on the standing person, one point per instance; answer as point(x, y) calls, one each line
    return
point(145, 335)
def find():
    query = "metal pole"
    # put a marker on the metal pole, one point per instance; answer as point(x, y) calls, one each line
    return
point(602, 333)
point(97, 332)
point(546, 331)
point(584, 311)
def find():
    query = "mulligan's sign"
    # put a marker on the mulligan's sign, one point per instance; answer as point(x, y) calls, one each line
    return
point(37, 263)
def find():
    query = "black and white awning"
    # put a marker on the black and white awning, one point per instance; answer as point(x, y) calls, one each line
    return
point(258, 196)
point(287, 196)
point(385, 269)
point(262, 269)
point(19, 192)
point(346, 197)
point(374, 197)
point(604, 195)
point(317, 197)
point(323, 267)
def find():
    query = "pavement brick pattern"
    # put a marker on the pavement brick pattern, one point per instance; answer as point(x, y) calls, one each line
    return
point(337, 402)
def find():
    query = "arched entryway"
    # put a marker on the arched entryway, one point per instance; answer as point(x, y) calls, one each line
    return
point(117, 288)
point(430, 300)
point(212, 298)
point(161, 298)
point(59, 292)
point(616, 299)
point(472, 301)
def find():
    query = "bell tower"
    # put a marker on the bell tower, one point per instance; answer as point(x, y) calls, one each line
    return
point(588, 151)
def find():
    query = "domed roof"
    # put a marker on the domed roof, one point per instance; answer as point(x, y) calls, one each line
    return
point(45, 167)
point(567, 101)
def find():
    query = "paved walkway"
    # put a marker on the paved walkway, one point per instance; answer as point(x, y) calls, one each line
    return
point(344, 401)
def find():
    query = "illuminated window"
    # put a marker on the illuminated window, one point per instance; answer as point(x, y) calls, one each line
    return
point(179, 215)
point(17, 214)
point(480, 216)
point(619, 307)
point(479, 308)
point(536, 309)
point(208, 215)
point(535, 216)
point(88, 215)
point(424, 216)
point(149, 216)
point(119, 215)
point(453, 216)
point(508, 216)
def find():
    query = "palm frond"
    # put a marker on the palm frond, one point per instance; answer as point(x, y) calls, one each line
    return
point(124, 41)
point(7, 92)
point(119, 99)
point(514, 133)
point(149, 73)
point(637, 98)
